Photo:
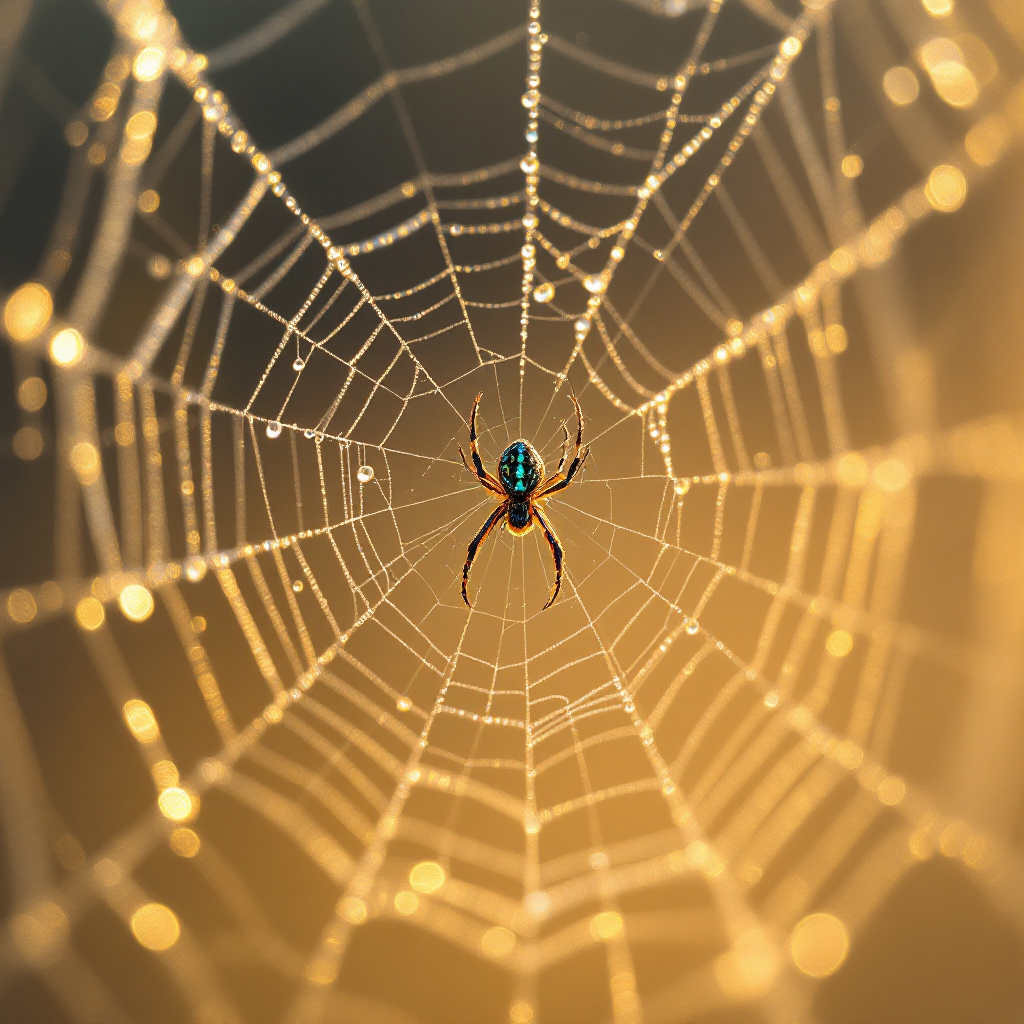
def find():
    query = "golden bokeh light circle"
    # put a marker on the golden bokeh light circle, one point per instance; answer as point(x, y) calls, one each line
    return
point(184, 842)
point(136, 602)
point(175, 804)
point(406, 902)
point(819, 944)
point(67, 347)
point(428, 876)
point(21, 605)
point(155, 927)
point(28, 311)
point(901, 86)
point(839, 643)
point(90, 613)
point(520, 1012)
point(946, 189)
point(498, 942)
point(141, 721)
point(85, 461)
point(32, 394)
point(606, 925)
point(149, 64)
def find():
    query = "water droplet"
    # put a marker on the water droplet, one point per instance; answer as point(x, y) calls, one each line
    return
point(529, 164)
point(537, 904)
point(159, 267)
point(297, 586)
point(544, 292)
point(308, 433)
point(195, 568)
point(403, 704)
point(582, 328)
point(273, 429)
point(693, 627)
point(298, 365)
point(365, 474)
point(595, 284)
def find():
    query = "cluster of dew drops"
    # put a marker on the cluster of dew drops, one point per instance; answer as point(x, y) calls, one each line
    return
point(364, 474)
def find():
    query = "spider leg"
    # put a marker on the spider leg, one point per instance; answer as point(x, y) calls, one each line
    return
point(558, 479)
point(556, 552)
point(565, 450)
point(562, 480)
point(485, 480)
point(579, 422)
point(474, 545)
point(482, 475)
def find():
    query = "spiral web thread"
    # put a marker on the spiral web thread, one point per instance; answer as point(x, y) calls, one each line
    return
point(670, 745)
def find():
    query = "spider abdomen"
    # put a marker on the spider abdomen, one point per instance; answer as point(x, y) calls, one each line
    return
point(520, 470)
point(519, 516)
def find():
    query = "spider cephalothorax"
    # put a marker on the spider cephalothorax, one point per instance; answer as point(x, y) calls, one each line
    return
point(521, 486)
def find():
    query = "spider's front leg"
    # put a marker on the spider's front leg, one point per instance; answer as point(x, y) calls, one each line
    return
point(486, 480)
point(565, 450)
point(474, 545)
point(481, 474)
point(559, 480)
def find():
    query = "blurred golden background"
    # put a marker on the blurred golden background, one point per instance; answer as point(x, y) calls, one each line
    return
point(760, 760)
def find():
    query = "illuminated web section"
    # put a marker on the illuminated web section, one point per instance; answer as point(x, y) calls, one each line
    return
point(691, 749)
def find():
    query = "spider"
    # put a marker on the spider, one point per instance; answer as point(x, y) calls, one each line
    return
point(521, 487)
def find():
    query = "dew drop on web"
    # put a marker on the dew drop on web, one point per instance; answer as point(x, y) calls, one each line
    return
point(195, 568)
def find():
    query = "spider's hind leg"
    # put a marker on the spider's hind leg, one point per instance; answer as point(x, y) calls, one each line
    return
point(474, 545)
point(556, 552)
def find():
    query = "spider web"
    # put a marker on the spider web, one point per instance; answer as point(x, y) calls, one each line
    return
point(671, 795)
